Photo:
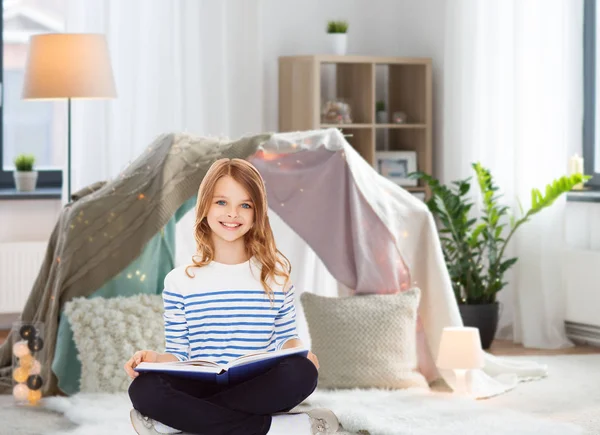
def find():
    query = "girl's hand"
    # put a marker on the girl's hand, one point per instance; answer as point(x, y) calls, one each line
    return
point(311, 356)
point(138, 357)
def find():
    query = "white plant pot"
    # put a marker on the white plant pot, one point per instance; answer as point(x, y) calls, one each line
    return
point(382, 117)
point(25, 181)
point(338, 43)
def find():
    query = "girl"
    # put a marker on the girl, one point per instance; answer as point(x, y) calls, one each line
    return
point(236, 298)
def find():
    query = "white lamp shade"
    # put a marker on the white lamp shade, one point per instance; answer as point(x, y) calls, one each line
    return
point(68, 65)
point(460, 348)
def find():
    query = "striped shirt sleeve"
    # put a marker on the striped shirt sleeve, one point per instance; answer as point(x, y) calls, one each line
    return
point(285, 321)
point(176, 330)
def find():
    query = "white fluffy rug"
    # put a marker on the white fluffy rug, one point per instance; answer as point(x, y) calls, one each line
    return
point(419, 413)
point(565, 403)
point(381, 413)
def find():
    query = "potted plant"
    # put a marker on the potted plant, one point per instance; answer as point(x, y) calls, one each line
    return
point(24, 175)
point(474, 247)
point(337, 36)
point(382, 115)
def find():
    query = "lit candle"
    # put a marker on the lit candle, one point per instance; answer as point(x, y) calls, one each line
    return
point(576, 167)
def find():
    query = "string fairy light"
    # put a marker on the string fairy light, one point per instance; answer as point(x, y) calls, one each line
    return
point(20, 349)
point(34, 396)
point(21, 392)
point(36, 367)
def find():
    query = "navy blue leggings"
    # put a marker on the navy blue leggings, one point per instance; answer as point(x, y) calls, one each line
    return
point(206, 408)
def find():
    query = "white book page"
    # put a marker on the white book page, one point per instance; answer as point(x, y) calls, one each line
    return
point(177, 366)
point(252, 357)
point(198, 362)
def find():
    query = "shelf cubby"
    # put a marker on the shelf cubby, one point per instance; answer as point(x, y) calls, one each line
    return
point(404, 83)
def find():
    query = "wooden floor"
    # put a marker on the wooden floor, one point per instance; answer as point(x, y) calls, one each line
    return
point(499, 347)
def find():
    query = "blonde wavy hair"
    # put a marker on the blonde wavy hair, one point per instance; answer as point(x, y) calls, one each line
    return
point(259, 240)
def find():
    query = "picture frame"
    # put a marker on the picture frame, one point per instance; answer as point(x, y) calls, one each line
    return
point(396, 165)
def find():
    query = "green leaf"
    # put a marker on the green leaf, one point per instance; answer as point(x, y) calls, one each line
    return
point(478, 230)
point(505, 265)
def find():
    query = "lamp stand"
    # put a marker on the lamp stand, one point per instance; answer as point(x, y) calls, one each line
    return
point(460, 387)
point(68, 150)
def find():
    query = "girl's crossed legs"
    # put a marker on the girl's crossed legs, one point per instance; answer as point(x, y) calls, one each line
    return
point(206, 408)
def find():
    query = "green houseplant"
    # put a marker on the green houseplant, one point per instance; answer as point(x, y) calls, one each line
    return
point(474, 247)
point(24, 175)
point(336, 32)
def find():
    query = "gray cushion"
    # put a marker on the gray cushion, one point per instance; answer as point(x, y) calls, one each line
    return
point(366, 341)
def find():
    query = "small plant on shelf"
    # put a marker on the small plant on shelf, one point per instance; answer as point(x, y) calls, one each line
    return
point(336, 34)
point(24, 162)
point(381, 113)
point(24, 175)
point(337, 27)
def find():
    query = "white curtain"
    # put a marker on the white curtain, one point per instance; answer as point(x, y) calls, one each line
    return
point(178, 67)
point(513, 101)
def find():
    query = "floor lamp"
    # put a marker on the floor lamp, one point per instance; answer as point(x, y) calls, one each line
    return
point(68, 66)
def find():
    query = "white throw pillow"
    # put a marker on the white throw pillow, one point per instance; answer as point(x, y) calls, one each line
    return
point(108, 331)
point(366, 341)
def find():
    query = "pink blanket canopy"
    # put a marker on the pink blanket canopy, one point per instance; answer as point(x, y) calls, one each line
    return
point(372, 236)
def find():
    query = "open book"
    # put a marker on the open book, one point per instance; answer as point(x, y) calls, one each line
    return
point(237, 370)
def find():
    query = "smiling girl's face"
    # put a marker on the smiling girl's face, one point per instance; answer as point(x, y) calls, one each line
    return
point(231, 213)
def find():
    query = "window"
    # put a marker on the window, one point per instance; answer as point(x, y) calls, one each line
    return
point(591, 94)
point(34, 127)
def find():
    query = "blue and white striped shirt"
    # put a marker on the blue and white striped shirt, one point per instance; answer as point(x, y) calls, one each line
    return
point(223, 313)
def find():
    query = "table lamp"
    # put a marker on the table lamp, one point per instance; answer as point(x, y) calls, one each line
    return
point(460, 350)
point(66, 66)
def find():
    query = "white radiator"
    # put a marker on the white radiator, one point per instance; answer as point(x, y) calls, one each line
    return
point(19, 267)
point(582, 277)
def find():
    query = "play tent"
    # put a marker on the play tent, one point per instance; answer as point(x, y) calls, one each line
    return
point(346, 224)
